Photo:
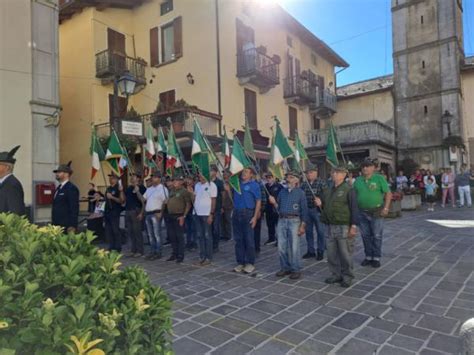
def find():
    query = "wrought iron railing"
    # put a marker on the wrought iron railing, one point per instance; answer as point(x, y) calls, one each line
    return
point(325, 100)
point(252, 62)
point(296, 86)
point(109, 63)
point(356, 133)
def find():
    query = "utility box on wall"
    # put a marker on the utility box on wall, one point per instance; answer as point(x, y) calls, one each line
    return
point(44, 192)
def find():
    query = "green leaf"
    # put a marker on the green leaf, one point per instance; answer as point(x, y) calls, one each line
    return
point(79, 310)
point(47, 319)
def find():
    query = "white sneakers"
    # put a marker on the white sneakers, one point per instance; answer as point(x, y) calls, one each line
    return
point(248, 268)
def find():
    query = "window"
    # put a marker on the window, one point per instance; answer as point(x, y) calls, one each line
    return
point(289, 41)
point(293, 116)
point(426, 110)
point(314, 59)
point(250, 98)
point(423, 64)
point(421, 19)
point(166, 7)
point(167, 99)
point(316, 122)
point(167, 45)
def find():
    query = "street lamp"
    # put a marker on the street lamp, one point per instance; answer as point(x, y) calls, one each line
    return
point(126, 84)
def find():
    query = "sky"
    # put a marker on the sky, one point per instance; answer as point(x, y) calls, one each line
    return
point(360, 32)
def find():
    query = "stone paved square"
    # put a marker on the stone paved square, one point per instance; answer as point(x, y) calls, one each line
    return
point(414, 303)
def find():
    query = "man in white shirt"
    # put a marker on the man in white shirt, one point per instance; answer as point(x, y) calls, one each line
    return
point(154, 198)
point(205, 194)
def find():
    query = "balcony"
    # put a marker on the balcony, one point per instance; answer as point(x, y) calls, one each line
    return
point(355, 134)
point(299, 90)
point(109, 64)
point(325, 104)
point(257, 68)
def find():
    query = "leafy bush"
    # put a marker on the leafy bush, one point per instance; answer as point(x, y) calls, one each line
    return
point(60, 294)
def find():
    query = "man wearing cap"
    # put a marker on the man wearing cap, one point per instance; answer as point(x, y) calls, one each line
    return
point(271, 214)
point(292, 208)
point(114, 198)
point(134, 209)
point(154, 198)
point(65, 211)
point(11, 191)
point(313, 187)
point(340, 217)
point(178, 206)
point(247, 205)
point(373, 199)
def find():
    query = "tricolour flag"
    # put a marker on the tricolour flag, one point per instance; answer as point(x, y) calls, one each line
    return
point(248, 143)
point(97, 153)
point(173, 159)
point(226, 150)
point(161, 142)
point(300, 153)
point(282, 149)
point(332, 147)
point(150, 144)
point(276, 170)
point(200, 152)
point(116, 155)
point(238, 162)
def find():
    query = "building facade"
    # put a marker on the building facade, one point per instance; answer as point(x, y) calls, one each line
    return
point(225, 59)
point(29, 94)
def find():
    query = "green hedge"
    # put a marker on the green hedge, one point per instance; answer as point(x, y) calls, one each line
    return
point(61, 294)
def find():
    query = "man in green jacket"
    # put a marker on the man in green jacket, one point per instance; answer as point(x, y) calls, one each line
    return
point(340, 217)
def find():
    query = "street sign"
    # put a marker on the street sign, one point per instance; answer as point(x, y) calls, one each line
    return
point(132, 128)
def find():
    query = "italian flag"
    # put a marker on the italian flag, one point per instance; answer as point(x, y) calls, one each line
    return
point(281, 147)
point(226, 150)
point(116, 155)
point(172, 153)
point(200, 152)
point(238, 162)
point(150, 144)
point(276, 170)
point(161, 142)
point(97, 154)
point(332, 147)
point(300, 153)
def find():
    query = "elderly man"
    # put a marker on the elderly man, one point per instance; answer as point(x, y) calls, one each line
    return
point(292, 208)
point(65, 211)
point(340, 216)
point(11, 191)
point(373, 199)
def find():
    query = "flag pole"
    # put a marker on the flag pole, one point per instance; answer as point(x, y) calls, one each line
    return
point(131, 170)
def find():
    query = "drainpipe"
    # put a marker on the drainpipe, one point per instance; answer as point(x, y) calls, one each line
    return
point(218, 47)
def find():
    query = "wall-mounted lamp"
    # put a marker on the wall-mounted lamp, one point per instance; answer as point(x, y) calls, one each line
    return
point(190, 78)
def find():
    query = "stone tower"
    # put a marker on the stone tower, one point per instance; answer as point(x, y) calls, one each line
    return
point(427, 55)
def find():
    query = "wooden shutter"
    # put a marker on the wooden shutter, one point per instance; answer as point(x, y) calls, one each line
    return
point(154, 57)
point(251, 107)
point(244, 34)
point(297, 67)
point(178, 37)
point(293, 114)
point(115, 41)
point(122, 107)
point(316, 122)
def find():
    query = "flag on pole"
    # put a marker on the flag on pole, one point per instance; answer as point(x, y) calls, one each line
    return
point(248, 143)
point(276, 170)
point(281, 147)
point(300, 153)
point(200, 152)
point(332, 147)
point(148, 166)
point(161, 142)
point(172, 153)
point(226, 150)
point(97, 153)
point(238, 162)
point(150, 144)
point(116, 156)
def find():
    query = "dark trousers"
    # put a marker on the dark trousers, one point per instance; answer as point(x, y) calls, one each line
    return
point(243, 236)
point(134, 231)
point(112, 232)
point(190, 231)
point(227, 225)
point(175, 235)
point(216, 229)
point(256, 234)
point(272, 221)
point(314, 220)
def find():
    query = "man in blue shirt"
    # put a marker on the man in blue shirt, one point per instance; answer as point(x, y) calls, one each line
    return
point(247, 206)
point(293, 210)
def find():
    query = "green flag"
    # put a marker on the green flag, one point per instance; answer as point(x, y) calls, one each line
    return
point(248, 143)
point(300, 153)
point(332, 147)
point(172, 156)
point(282, 149)
point(115, 155)
point(200, 152)
point(161, 142)
point(96, 152)
point(238, 162)
point(276, 170)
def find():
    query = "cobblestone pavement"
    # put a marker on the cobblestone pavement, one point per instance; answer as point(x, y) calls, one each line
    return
point(414, 303)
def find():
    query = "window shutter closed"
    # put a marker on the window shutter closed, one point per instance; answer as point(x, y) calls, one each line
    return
point(154, 47)
point(250, 98)
point(293, 113)
point(178, 37)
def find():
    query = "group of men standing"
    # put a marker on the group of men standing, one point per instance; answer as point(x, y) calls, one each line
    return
point(208, 211)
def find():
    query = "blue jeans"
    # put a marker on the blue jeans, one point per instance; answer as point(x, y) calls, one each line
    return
point(153, 228)
point(289, 244)
point(243, 236)
point(204, 235)
point(314, 219)
point(216, 228)
point(371, 229)
point(190, 230)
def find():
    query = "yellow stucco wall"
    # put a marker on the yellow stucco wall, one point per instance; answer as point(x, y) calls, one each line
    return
point(85, 99)
point(377, 106)
point(467, 79)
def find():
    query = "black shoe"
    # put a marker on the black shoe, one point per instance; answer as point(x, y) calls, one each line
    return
point(171, 258)
point(345, 284)
point(332, 280)
point(366, 262)
point(309, 255)
point(375, 263)
point(320, 256)
point(282, 273)
point(269, 241)
point(295, 275)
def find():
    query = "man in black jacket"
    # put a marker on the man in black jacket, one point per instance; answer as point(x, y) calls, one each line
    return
point(65, 212)
point(11, 191)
